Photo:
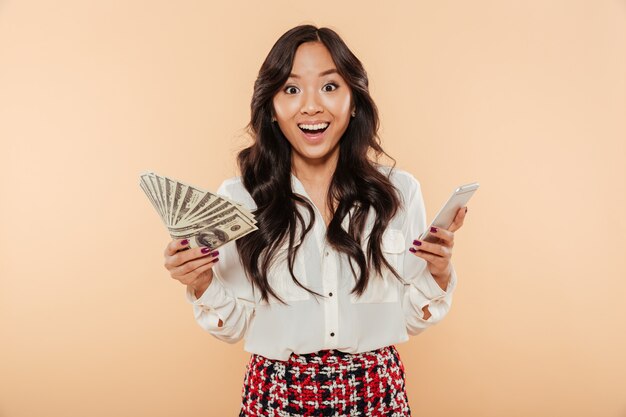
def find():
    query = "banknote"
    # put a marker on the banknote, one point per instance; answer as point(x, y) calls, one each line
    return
point(207, 204)
point(150, 188)
point(186, 230)
point(226, 230)
point(203, 217)
point(190, 198)
point(151, 198)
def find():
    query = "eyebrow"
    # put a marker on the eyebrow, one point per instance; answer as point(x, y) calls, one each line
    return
point(321, 74)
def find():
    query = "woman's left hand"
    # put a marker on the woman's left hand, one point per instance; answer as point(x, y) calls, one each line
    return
point(438, 255)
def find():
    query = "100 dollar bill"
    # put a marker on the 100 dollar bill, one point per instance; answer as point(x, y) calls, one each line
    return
point(204, 218)
point(218, 234)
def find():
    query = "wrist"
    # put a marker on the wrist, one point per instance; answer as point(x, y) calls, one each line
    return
point(199, 289)
point(443, 280)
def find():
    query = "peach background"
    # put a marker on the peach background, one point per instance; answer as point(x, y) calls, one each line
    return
point(527, 97)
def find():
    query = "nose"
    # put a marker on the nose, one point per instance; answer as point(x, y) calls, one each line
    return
point(311, 104)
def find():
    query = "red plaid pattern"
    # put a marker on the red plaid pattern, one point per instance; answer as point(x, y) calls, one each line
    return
point(326, 383)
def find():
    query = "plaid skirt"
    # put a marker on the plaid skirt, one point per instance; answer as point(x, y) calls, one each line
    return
point(326, 383)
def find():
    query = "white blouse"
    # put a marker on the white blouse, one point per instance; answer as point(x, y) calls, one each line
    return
point(387, 312)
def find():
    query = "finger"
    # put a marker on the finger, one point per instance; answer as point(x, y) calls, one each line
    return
point(175, 246)
point(180, 258)
point(433, 259)
point(445, 236)
point(434, 248)
point(458, 219)
point(200, 272)
point(186, 270)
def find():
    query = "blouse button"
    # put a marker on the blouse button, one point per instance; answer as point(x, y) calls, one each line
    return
point(330, 294)
point(326, 253)
point(332, 334)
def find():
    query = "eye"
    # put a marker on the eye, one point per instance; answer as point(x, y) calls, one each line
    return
point(330, 87)
point(290, 89)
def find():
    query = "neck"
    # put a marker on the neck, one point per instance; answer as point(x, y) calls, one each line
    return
point(315, 172)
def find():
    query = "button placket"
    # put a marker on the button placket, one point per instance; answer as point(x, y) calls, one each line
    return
point(329, 281)
point(331, 306)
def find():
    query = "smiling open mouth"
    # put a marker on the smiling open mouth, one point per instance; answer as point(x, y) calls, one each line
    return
point(314, 129)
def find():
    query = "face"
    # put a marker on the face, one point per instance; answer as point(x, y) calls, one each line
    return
point(313, 108)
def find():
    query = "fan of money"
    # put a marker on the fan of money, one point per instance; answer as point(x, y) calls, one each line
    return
point(204, 218)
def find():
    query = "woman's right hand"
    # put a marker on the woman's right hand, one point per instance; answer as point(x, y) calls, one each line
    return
point(191, 267)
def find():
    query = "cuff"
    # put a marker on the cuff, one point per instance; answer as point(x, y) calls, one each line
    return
point(429, 287)
point(202, 306)
point(428, 290)
point(212, 292)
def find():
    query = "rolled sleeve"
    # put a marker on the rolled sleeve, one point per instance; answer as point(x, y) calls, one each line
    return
point(216, 304)
point(205, 313)
point(229, 297)
point(422, 292)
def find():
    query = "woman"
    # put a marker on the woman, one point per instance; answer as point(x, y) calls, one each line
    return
point(333, 278)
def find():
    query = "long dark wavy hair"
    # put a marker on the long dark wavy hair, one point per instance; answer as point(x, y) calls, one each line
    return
point(356, 183)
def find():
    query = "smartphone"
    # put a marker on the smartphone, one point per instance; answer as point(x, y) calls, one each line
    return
point(445, 217)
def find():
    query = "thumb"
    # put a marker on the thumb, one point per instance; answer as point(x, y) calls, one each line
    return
point(458, 219)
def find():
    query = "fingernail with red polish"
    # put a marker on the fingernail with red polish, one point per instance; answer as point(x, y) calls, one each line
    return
point(417, 243)
point(184, 242)
point(433, 229)
point(205, 250)
point(215, 253)
point(216, 259)
point(412, 250)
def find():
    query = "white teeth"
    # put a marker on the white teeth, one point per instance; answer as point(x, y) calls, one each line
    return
point(314, 127)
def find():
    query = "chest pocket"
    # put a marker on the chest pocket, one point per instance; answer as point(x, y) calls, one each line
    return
point(281, 281)
point(386, 288)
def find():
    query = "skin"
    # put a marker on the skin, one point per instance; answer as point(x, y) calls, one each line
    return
point(190, 266)
point(313, 92)
point(438, 255)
